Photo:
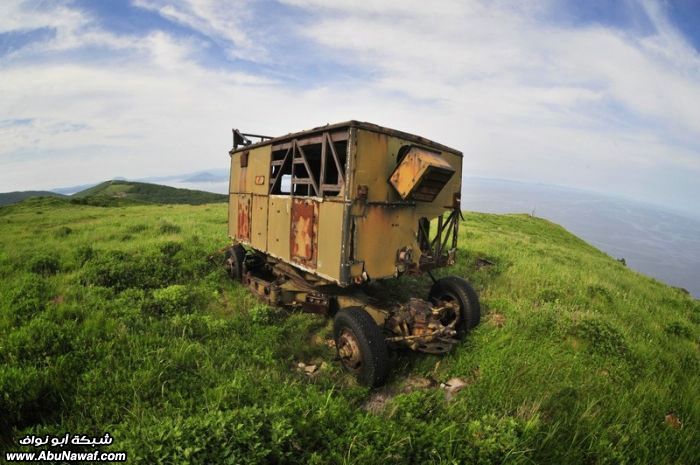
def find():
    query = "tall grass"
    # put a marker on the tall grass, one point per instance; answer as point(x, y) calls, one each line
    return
point(115, 319)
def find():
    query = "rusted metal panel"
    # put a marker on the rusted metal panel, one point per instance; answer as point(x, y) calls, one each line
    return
point(258, 222)
point(278, 224)
point(421, 175)
point(329, 228)
point(372, 166)
point(380, 234)
point(235, 176)
point(244, 205)
point(258, 168)
point(303, 234)
point(232, 215)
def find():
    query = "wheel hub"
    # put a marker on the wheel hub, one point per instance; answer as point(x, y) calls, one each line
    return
point(349, 351)
point(452, 312)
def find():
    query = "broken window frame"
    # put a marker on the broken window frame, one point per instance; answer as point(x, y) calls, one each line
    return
point(304, 177)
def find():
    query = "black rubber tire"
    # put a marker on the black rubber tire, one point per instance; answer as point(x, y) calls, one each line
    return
point(373, 350)
point(461, 291)
point(234, 257)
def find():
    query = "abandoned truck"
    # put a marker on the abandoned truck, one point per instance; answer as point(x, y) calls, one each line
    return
point(315, 215)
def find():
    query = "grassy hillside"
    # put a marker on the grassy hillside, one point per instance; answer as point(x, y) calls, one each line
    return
point(7, 198)
point(116, 320)
point(122, 193)
point(129, 192)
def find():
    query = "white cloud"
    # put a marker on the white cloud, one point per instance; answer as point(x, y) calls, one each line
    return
point(591, 106)
point(522, 97)
point(222, 21)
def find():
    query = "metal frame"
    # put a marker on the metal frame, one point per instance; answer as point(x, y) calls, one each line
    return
point(295, 155)
point(434, 255)
point(243, 139)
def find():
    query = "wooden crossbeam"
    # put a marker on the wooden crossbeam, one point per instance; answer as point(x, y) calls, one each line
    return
point(308, 169)
point(279, 173)
point(341, 176)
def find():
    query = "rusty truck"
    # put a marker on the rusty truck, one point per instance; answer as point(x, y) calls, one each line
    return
point(314, 216)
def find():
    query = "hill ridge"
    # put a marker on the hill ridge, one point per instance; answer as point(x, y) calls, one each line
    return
point(122, 192)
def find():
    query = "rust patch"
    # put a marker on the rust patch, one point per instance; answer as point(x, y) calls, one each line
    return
point(303, 233)
point(244, 218)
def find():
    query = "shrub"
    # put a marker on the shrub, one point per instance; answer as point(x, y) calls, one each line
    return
point(22, 390)
point(114, 269)
point(599, 291)
point(84, 253)
point(494, 437)
point(37, 341)
point(170, 248)
point(261, 314)
point(169, 228)
point(172, 300)
point(679, 329)
point(63, 231)
point(29, 297)
point(137, 228)
point(45, 264)
point(601, 336)
point(548, 295)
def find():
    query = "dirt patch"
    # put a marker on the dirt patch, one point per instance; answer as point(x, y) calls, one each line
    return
point(673, 421)
point(453, 386)
point(376, 402)
point(483, 263)
point(497, 319)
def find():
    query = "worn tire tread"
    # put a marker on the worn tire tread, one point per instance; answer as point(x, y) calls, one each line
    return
point(370, 339)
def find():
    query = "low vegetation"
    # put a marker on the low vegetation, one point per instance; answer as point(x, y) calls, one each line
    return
point(117, 192)
point(122, 320)
point(122, 193)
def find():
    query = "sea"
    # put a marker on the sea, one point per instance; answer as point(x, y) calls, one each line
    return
point(658, 242)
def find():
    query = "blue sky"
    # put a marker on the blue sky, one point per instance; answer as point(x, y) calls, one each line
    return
point(598, 95)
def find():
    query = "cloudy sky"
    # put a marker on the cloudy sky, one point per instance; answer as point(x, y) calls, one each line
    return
point(599, 95)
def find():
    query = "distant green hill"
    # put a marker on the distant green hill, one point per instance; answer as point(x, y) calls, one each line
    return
point(117, 192)
point(128, 192)
point(6, 198)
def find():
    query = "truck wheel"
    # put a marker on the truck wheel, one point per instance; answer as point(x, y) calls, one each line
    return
point(453, 289)
point(233, 262)
point(360, 346)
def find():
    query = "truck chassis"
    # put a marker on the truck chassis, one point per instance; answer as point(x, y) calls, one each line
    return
point(364, 327)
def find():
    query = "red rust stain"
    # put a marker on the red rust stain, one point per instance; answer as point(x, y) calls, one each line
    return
point(244, 218)
point(303, 237)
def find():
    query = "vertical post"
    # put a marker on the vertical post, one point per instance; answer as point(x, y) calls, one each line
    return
point(293, 154)
point(322, 177)
point(438, 242)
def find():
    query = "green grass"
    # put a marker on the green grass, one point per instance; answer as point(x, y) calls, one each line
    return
point(116, 320)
